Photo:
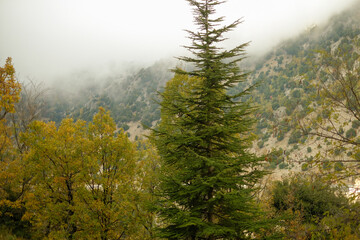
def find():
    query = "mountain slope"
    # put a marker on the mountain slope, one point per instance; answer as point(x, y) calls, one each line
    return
point(285, 93)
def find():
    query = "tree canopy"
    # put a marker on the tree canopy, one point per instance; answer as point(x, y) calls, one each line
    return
point(208, 175)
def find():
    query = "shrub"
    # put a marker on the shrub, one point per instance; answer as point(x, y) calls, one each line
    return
point(295, 137)
point(283, 165)
point(339, 166)
point(338, 151)
point(304, 167)
point(355, 124)
point(280, 136)
point(326, 165)
point(309, 149)
point(357, 156)
point(313, 198)
point(275, 105)
point(303, 139)
point(341, 130)
point(326, 113)
point(273, 165)
point(296, 94)
point(351, 133)
point(125, 127)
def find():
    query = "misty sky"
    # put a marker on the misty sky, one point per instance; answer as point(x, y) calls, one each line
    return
point(47, 38)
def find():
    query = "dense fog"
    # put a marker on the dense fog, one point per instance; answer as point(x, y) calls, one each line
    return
point(51, 38)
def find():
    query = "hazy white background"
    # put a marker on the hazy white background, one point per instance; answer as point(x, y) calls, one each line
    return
point(47, 38)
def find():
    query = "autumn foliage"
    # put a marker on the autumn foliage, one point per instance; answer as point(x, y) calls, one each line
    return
point(71, 181)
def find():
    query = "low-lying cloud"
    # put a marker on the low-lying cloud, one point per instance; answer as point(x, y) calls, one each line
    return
point(50, 38)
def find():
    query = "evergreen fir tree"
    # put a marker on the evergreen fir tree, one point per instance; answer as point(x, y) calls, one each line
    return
point(208, 176)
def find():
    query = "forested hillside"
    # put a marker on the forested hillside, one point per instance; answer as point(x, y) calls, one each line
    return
point(218, 145)
point(293, 94)
point(130, 97)
point(285, 76)
point(289, 93)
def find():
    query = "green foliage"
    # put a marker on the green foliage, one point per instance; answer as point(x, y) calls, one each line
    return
point(313, 209)
point(304, 167)
point(203, 139)
point(341, 130)
point(342, 225)
point(303, 138)
point(313, 198)
point(280, 136)
point(339, 166)
point(125, 127)
point(296, 94)
point(275, 105)
point(326, 165)
point(338, 97)
point(356, 156)
point(355, 124)
point(295, 137)
point(338, 151)
point(272, 165)
point(23, 206)
point(283, 165)
point(275, 158)
point(351, 133)
point(326, 113)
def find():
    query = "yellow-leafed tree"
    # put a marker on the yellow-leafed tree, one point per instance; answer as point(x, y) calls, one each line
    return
point(11, 187)
point(9, 89)
point(108, 196)
point(86, 183)
point(56, 159)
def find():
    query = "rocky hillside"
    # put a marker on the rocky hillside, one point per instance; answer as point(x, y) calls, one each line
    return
point(131, 98)
point(286, 95)
point(289, 91)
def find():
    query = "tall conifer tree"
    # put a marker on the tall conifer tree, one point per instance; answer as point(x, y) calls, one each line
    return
point(208, 175)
